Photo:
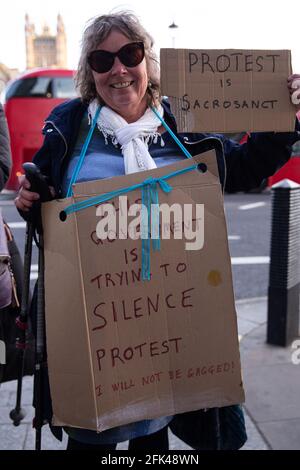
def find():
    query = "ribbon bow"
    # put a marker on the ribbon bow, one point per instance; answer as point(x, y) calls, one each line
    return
point(149, 213)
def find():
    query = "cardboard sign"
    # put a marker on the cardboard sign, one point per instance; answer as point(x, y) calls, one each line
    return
point(120, 349)
point(228, 90)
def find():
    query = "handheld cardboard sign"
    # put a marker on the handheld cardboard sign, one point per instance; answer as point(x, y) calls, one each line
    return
point(121, 349)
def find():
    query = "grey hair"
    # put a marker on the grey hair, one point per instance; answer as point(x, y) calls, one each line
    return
point(97, 31)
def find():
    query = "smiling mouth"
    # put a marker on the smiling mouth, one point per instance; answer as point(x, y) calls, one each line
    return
point(120, 85)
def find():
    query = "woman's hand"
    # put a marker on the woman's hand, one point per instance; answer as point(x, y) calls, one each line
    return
point(26, 198)
point(294, 89)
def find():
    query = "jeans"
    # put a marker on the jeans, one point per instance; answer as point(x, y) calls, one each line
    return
point(158, 442)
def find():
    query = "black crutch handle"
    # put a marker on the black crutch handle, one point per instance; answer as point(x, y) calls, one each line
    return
point(38, 182)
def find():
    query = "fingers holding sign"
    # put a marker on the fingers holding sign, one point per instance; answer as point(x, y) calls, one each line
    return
point(294, 88)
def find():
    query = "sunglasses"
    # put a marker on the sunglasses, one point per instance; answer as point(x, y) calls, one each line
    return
point(130, 55)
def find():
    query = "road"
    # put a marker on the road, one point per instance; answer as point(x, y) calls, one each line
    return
point(248, 221)
point(249, 229)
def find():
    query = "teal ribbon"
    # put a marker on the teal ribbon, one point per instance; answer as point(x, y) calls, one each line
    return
point(150, 219)
point(174, 136)
point(82, 153)
point(149, 215)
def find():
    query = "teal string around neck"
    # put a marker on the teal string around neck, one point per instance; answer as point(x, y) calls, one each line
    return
point(83, 153)
point(174, 136)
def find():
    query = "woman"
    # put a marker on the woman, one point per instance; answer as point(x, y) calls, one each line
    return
point(118, 81)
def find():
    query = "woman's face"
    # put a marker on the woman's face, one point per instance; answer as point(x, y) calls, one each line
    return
point(122, 88)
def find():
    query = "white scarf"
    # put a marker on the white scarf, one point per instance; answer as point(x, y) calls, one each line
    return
point(132, 137)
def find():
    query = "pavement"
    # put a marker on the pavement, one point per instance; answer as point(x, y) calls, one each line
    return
point(271, 382)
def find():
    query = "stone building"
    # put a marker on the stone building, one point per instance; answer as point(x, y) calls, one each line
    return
point(45, 49)
point(6, 74)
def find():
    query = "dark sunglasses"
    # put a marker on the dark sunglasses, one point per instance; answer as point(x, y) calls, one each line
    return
point(130, 55)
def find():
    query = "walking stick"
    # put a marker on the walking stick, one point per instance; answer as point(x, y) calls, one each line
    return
point(40, 361)
point(38, 184)
point(17, 414)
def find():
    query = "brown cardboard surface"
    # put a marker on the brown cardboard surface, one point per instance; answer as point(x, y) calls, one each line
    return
point(67, 335)
point(121, 349)
point(228, 90)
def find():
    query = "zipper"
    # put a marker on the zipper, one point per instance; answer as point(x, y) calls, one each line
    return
point(66, 146)
point(62, 136)
point(186, 141)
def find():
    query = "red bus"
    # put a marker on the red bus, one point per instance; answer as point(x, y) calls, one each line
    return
point(28, 101)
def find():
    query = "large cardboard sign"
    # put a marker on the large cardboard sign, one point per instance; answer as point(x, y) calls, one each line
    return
point(121, 349)
point(228, 90)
